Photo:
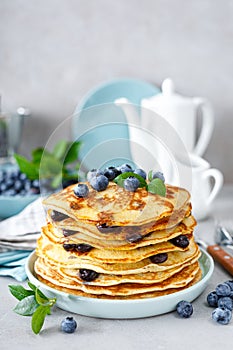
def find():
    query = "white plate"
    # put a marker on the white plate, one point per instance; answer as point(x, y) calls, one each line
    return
point(122, 309)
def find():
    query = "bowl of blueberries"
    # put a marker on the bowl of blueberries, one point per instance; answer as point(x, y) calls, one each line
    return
point(16, 190)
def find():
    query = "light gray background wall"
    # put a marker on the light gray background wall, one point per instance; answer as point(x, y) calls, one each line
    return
point(53, 51)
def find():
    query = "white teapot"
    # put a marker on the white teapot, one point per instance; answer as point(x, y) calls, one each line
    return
point(178, 125)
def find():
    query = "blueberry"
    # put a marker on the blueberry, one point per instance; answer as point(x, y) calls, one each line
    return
point(88, 275)
point(223, 290)
point(124, 168)
point(184, 309)
point(221, 315)
point(230, 284)
point(81, 190)
point(158, 258)
point(68, 325)
point(81, 248)
point(225, 302)
point(111, 172)
point(131, 184)
point(99, 182)
point(212, 299)
point(156, 175)
point(140, 172)
point(180, 241)
point(92, 173)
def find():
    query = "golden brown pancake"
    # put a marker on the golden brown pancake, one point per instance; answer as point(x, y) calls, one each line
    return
point(113, 256)
point(156, 294)
point(117, 206)
point(77, 237)
point(178, 280)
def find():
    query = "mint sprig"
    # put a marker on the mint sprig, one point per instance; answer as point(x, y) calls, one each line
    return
point(32, 302)
point(155, 186)
point(60, 164)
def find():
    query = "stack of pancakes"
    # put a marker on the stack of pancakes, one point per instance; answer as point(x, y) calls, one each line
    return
point(117, 244)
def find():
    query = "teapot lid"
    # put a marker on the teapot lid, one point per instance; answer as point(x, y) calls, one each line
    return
point(167, 95)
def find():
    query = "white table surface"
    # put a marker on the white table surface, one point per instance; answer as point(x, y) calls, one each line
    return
point(161, 332)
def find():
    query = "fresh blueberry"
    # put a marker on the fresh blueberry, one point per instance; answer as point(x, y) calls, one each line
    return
point(131, 184)
point(221, 315)
point(124, 168)
point(180, 241)
point(140, 172)
point(223, 290)
point(92, 173)
point(225, 302)
point(81, 190)
point(88, 275)
point(99, 182)
point(68, 325)
point(157, 175)
point(184, 309)
point(230, 284)
point(212, 299)
point(111, 172)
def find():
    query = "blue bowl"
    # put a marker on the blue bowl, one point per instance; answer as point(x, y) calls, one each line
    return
point(10, 206)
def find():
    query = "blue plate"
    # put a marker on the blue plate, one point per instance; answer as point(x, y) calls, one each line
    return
point(102, 126)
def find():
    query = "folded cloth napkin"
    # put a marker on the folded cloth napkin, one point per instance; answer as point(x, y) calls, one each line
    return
point(18, 235)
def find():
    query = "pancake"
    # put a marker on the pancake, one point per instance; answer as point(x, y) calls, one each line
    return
point(110, 279)
point(57, 255)
point(67, 289)
point(180, 279)
point(118, 207)
point(77, 237)
point(120, 233)
point(111, 256)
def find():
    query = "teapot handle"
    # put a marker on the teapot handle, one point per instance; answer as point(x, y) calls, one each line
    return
point(207, 125)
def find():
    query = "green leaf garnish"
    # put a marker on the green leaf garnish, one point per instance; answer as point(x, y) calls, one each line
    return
point(26, 306)
point(53, 166)
point(157, 186)
point(32, 303)
point(119, 180)
point(38, 318)
point(19, 292)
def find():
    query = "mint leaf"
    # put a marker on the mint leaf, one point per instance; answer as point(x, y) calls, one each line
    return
point(157, 186)
point(38, 318)
point(32, 286)
point(37, 154)
point(26, 167)
point(19, 292)
point(49, 166)
point(43, 300)
point(72, 152)
point(119, 180)
point(26, 306)
point(60, 149)
point(150, 178)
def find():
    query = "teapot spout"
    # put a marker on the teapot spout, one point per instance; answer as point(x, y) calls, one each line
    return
point(129, 109)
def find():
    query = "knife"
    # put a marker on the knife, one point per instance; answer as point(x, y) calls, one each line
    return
point(218, 254)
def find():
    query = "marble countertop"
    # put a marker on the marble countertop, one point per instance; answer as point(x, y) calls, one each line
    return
point(167, 331)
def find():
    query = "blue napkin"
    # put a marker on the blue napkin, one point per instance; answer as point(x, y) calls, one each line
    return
point(12, 264)
point(18, 237)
